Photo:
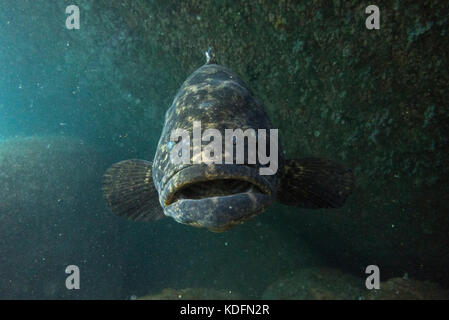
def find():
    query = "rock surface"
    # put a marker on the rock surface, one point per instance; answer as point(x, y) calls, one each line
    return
point(408, 289)
point(316, 284)
point(193, 294)
point(332, 284)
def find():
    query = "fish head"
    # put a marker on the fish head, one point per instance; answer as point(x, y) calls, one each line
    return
point(214, 195)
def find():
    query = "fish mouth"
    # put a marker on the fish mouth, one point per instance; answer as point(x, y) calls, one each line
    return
point(216, 197)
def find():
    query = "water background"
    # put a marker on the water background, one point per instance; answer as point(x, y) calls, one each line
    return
point(73, 102)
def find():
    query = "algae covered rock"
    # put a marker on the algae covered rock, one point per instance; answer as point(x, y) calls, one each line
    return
point(408, 289)
point(316, 284)
point(193, 294)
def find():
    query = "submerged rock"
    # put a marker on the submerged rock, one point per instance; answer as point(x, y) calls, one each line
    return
point(408, 289)
point(331, 284)
point(193, 294)
point(316, 284)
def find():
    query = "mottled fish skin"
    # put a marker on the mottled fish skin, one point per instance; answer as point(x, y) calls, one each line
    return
point(218, 98)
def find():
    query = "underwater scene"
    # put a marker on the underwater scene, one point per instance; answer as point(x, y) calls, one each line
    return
point(220, 149)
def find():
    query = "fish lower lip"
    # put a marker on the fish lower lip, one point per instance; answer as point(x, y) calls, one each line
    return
point(216, 197)
point(218, 213)
point(209, 181)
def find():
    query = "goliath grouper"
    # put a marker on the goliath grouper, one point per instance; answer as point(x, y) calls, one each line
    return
point(218, 196)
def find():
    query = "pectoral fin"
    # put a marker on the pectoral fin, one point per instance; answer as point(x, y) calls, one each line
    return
point(129, 191)
point(315, 183)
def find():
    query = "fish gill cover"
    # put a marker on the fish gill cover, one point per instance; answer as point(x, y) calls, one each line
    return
point(73, 102)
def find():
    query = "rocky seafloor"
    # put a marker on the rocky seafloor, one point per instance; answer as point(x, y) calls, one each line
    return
point(318, 284)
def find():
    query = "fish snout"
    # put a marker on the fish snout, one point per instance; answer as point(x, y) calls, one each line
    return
point(216, 197)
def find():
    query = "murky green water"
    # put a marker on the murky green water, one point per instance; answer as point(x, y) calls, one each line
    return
point(73, 102)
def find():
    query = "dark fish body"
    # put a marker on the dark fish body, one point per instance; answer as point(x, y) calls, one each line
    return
point(218, 98)
point(218, 196)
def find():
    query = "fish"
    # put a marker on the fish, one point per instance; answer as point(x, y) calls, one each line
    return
point(213, 195)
